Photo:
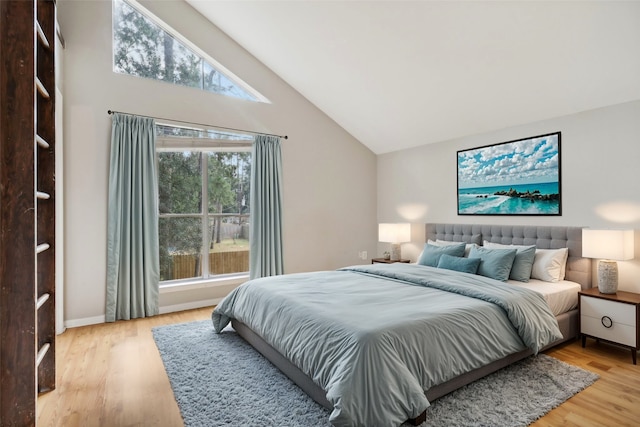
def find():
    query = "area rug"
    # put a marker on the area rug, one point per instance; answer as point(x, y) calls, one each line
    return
point(220, 380)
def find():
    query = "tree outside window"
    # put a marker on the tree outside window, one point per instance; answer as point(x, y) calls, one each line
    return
point(142, 48)
point(197, 242)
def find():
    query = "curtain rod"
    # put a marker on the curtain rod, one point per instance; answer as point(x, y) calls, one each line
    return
point(199, 124)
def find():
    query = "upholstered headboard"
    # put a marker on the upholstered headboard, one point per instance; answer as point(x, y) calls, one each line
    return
point(544, 237)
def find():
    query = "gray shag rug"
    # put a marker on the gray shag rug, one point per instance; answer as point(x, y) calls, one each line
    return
point(220, 380)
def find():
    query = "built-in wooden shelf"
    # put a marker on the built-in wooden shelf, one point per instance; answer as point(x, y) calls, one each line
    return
point(27, 190)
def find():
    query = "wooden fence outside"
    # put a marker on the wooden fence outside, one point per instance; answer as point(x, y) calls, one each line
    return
point(184, 266)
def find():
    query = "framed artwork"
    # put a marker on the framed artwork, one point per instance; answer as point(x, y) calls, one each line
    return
point(520, 177)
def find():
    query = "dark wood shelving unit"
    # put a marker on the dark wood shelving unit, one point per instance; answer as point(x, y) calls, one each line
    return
point(27, 202)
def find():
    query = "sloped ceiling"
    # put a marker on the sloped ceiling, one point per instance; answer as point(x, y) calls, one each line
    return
point(398, 74)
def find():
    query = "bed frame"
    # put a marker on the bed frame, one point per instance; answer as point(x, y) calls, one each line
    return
point(544, 237)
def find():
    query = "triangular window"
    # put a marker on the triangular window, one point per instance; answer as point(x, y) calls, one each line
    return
point(144, 46)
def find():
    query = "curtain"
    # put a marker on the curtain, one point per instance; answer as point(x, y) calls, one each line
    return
point(265, 256)
point(133, 260)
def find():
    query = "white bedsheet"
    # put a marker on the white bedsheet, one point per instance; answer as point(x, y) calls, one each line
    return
point(561, 296)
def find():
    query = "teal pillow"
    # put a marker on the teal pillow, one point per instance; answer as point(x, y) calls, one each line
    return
point(465, 265)
point(522, 264)
point(495, 263)
point(431, 253)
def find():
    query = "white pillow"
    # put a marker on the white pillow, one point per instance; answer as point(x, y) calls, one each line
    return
point(550, 264)
point(438, 242)
point(491, 245)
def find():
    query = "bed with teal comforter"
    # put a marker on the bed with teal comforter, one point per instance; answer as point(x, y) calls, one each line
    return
point(376, 337)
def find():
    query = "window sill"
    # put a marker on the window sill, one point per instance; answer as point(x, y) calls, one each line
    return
point(211, 282)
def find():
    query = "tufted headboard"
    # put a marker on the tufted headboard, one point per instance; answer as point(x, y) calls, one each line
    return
point(544, 237)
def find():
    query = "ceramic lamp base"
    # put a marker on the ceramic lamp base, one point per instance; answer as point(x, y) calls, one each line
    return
point(607, 277)
point(395, 251)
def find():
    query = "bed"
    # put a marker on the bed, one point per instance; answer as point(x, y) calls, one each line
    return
point(374, 355)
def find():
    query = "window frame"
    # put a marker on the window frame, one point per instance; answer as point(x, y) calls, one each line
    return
point(206, 145)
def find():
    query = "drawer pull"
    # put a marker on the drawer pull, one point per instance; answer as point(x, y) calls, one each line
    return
point(606, 322)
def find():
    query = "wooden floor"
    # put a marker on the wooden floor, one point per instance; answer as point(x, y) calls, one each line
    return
point(111, 375)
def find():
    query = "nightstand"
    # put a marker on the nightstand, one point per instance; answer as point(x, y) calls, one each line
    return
point(614, 318)
point(388, 261)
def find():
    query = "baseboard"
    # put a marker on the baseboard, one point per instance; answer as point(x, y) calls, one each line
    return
point(190, 305)
point(76, 323)
point(86, 321)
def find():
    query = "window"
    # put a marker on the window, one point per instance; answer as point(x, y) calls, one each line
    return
point(203, 188)
point(144, 46)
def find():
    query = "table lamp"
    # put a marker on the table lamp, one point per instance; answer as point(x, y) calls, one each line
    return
point(608, 246)
point(394, 234)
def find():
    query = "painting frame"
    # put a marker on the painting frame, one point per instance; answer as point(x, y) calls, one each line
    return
point(521, 177)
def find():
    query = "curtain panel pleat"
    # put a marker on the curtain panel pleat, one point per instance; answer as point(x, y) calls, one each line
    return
point(265, 256)
point(133, 260)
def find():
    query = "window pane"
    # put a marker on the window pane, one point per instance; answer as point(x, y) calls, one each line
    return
point(180, 182)
point(137, 43)
point(142, 48)
point(229, 248)
point(182, 66)
point(229, 175)
point(215, 81)
point(180, 248)
point(178, 132)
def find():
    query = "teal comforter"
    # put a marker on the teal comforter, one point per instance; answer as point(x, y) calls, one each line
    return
point(375, 337)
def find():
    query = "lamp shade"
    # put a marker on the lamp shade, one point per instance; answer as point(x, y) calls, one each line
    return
point(607, 244)
point(394, 233)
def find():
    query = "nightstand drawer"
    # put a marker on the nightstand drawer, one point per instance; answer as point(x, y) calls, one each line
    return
point(618, 332)
point(617, 311)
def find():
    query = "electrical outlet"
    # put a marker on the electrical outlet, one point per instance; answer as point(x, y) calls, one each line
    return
point(362, 254)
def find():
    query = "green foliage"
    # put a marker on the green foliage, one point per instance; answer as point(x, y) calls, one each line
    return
point(180, 184)
point(179, 236)
point(180, 192)
point(229, 175)
point(136, 41)
point(142, 48)
point(221, 176)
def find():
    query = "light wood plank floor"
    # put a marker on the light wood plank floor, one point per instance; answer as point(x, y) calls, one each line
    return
point(111, 375)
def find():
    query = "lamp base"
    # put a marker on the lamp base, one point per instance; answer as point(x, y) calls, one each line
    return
point(607, 277)
point(395, 252)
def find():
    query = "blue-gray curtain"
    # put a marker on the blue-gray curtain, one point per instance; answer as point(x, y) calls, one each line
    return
point(265, 256)
point(133, 260)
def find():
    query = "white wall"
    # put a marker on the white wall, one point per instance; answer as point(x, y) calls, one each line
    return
point(329, 177)
point(600, 179)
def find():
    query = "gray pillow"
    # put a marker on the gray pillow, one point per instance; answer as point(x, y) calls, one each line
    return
point(495, 263)
point(431, 254)
point(466, 265)
point(522, 264)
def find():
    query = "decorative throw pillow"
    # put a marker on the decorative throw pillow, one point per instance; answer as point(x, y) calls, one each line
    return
point(465, 265)
point(431, 253)
point(549, 264)
point(495, 263)
point(438, 242)
point(522, 264)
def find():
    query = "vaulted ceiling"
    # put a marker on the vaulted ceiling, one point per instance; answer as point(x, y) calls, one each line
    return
point(398, 74)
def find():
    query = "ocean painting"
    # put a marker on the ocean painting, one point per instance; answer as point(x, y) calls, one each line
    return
point(519, 177)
